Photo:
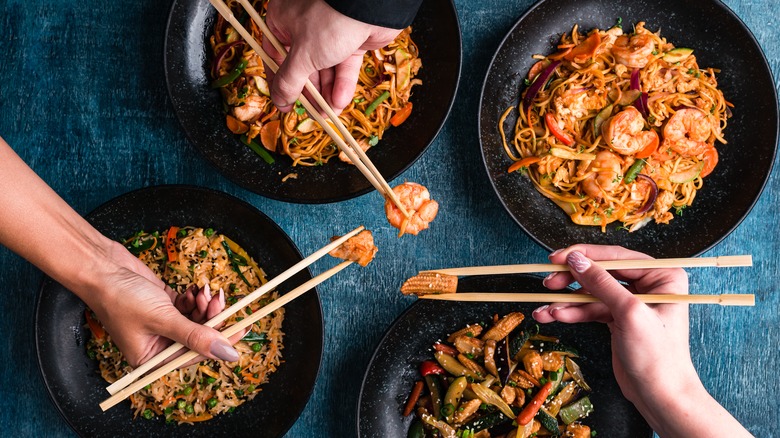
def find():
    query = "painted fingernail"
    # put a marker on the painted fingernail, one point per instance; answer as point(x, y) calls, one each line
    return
point(578, 261)
point(541, 309)
point(549, 277)
point(555, 253)
point(207, 292)
point(555, 309)
point(222, 298)
point(221, 349)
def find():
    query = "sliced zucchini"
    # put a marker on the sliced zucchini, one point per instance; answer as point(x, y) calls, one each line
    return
point(262, 86)
point(687, 175)
point(306, 125)
point(568, 155)
point(548, 422)
point(579, 409)
point(601, 117)
point(677, 55)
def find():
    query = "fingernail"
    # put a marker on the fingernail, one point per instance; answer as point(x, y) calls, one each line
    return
point(222, 298)
point(549, 277)
point(555, 309)
point(578, 261)
point(207, 292)
point(222, 350)
point(541, 309)
point(555, 253)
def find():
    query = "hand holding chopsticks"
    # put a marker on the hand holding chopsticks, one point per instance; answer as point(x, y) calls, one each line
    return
point(124, 387)
point(350, 147)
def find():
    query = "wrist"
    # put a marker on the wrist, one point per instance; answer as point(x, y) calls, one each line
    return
point(97, 265)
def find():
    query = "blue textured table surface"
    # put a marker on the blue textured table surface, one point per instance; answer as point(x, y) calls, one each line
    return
point(83, 101)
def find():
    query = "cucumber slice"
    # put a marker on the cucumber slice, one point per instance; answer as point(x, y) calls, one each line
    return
point(262, 86)
point(307, 125)
point(548, 422)
point(579, 409)
point(687, 175)
point(600, 118)
point(677, 55)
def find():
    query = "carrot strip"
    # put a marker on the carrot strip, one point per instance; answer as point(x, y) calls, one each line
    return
point(413, 397)
point(529, 412)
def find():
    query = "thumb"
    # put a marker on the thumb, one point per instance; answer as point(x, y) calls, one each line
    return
point(289, 81)
point(200, 338)
point(599, 283)
point(346, 79)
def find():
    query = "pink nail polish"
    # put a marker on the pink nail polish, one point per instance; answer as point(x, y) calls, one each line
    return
point(578, 261)
point(223, 350)
point(541, 309)
point(555, 253)
point(222, 298)
point(549, 277)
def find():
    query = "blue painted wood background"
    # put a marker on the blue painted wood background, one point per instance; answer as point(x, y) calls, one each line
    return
point(83, 101)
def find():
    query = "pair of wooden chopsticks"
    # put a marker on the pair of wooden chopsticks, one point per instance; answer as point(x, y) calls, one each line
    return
point(132, 382)
point(350, 147)
point(694, 262)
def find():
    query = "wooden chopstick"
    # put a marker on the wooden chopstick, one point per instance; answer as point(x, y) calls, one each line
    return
point(240, 304)
point(722, 299)
point(352, 150)
point(230, 331)
point(692, 262)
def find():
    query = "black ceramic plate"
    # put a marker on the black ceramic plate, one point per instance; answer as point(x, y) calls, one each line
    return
point(719, 40)
point(199, 109)
point(393, 368)
point(72, 379)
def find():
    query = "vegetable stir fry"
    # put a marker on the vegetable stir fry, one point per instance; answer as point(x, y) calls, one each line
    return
point(500, 380)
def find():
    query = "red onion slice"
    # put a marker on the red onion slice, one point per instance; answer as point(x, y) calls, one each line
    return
point(641, 102)
point(653, 193)
point(538, 83)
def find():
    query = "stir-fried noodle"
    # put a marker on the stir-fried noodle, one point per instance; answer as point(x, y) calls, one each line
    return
point(625, 130)
point(381, 98)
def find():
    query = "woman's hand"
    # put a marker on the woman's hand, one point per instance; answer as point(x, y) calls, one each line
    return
point(650, 348)
point(324, 46)
point(142, 314)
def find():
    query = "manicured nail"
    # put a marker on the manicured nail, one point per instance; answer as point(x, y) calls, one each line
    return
point(555, 253)
point(221, 349)
point(222, 298)
point(541, 309)
point(207, 292)
point(578, 261)
point(555, 309)
point(549, 277)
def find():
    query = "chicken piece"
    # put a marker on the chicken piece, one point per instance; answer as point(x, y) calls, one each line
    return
point(359, 248)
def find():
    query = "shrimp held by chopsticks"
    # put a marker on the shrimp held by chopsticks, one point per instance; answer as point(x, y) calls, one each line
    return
point(359, 248)
point(415, 198)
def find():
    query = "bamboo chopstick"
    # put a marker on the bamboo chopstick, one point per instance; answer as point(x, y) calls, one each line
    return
point(722, 299)
point(240, 304)
point(693, 262)
point(352, 150)
point(230, 331)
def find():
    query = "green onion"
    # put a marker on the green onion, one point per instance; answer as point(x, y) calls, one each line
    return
point(203, 253)
point(182, 233)
point(373, 105)
point(210, 380)
point(237, 369)
point(208, 232)
point(373, 140)
point(239, 392)
point(168, 411)
point(230, 77)
point(148, 414)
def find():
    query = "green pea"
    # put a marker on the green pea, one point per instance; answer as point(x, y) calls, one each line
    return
point(211, 402)
point(148, 414)
point(256, 347)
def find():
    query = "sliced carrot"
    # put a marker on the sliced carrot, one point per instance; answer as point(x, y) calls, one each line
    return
point(168, 401)
point(236, 126)
point(536, 69)
point(523, 162)
point(402, 114)
point(413, 397)
point(585, 49)
point(202, 417)
point(552, 125)
point(269, 135)
point(170, 244)
point(563, 53)
point(445, 349)
point(94, 325)
point(710, 161)
point(652, 145)
point(529, 412)
point(249, 377)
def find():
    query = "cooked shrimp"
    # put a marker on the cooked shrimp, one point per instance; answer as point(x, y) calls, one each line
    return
point(623, 132)
point(359, 248)
point(251, 109)
point(607, 172)
point(687, 132)
point(417, 200)
point(633, 52)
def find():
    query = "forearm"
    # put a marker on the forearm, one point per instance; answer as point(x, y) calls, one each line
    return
point(40, 226)
point(689, 411)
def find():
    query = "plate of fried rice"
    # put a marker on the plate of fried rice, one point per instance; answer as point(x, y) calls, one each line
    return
point(198, 241)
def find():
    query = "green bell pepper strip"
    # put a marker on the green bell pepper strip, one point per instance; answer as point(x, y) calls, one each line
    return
point(375, 104)
point(230, 77)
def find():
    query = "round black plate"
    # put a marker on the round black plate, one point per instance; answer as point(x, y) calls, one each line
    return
point(199, 109)
point(720, 40)
point(393, 368)
point(72, 379)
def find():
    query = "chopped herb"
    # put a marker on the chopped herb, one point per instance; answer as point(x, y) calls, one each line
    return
point(679, 210)
point(233, 408)
point(526, 81)
point(210, 380)
point(651, 119)
point(243, 93)
point(369, 70)
point(91, 354)
point(237, 369)
point(470, 356)
point(359, 99)
point(239, 318)
point(621, 227)
point(203, 253)
point(232, 287)
point(470, 334)
point(231, 300)
point(373, 140)
point(592, 433)
point(168, 411)
point(691, 71)
point(239, 392)
point(617, 178)
point(182, 232)
point(294, 140)
point(542, 380)
point(319, 163)
point(655, 52)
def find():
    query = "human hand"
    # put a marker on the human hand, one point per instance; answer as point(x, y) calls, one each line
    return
point(650, 347)
point(324, 46)
point(142, 314)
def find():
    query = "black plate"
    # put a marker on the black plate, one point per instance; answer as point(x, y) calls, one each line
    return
point(73, 380)
point(719, 40)
point(393, 368)
point(199, 109)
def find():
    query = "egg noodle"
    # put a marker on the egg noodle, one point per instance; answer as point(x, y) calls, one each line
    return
point(625, 130)
point(200, 261)
point(381, 98)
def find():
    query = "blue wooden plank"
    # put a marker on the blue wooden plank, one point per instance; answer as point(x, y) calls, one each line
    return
point(83, 101)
